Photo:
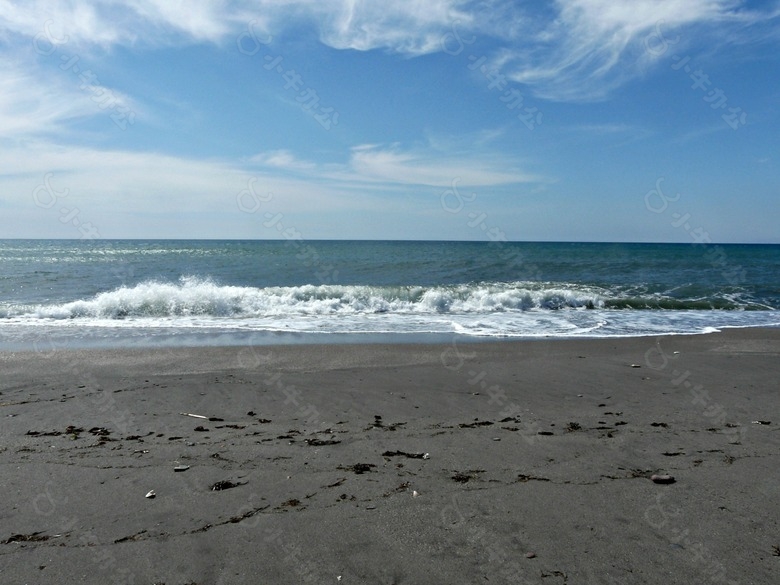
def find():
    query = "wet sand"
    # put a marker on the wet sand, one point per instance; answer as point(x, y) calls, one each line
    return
point(516, 462)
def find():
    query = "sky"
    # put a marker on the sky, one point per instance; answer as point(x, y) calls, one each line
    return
point(524, 120)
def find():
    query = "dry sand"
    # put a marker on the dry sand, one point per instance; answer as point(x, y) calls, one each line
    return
point(516, 462)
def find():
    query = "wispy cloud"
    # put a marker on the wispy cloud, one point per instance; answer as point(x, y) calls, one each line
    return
point(393, 165)
point(400, 166)
point(32, 104)
point(285, 160)
point(412, 28)
point(701, 132)
point(592, 47)
point(117, 189)
point(571, 50)
point(124, 22)
point(113, 183)
point(35, 100)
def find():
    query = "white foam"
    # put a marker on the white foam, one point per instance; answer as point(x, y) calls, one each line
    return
point(519, 309)
point(192, 296)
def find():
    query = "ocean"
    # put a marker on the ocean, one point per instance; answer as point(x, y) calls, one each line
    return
point(128, 293)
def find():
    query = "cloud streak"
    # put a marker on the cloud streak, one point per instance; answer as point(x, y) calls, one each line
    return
point(396, 167)
point(393, 165)
point(403, 26)
point(572, 50)
point(112, 184)
point(594, 46)
point(31, 104)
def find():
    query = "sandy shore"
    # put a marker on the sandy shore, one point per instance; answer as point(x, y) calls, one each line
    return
point(523, 462)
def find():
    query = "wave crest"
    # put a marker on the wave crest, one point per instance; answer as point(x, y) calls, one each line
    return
point(203, 297)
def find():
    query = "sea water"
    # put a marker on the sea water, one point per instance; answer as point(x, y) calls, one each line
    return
point(80, 293)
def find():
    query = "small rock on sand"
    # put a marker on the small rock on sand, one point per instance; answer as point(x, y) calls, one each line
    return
point(662, 479)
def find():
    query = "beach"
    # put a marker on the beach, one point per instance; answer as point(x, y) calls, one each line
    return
point(503, 462)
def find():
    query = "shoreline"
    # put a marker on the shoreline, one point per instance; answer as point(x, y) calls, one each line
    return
point(539, 457)
point(155, 339)
point(378, 341)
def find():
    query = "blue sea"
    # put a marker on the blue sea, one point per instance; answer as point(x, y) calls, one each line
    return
point(127, 293)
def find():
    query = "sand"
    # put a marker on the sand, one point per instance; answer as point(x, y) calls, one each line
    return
point(512, 462)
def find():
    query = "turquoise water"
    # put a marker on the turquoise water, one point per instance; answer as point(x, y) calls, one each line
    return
point(206, 292)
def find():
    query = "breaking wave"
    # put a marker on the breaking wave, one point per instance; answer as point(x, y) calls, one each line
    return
point(197, 297)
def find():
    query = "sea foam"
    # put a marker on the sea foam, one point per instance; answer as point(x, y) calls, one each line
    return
point(203, 297)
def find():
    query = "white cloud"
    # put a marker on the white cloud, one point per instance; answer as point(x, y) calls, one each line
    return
point(118, 188)
point(413, 27)
point(394, 166)
point(570, 50)
point(105, 23)
point(406, 26)
point(410, 167)
point(128, 194)
point(35, 101)
point(128, 181)
point(283, 159)
point(594, 46)
point(31, 104)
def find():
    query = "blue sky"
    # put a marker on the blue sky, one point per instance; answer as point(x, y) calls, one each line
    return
point(572, 120)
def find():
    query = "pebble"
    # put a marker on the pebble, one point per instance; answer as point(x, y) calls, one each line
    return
point(150, 495)
point(530, 555)
point(662, 479)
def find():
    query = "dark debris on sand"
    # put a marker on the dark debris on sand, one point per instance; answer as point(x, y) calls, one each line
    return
point(358, 467)
point(465, 477)
point(475, 424)
point(34, 537)
point(320, 442)
point(225, 485)
point(403, 454)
